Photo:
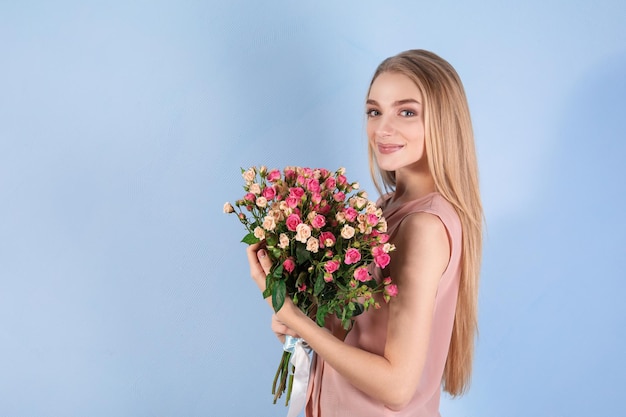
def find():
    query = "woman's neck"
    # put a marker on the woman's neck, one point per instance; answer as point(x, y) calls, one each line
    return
point(412, 184)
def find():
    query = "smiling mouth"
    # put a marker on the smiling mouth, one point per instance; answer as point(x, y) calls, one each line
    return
point(389, 148)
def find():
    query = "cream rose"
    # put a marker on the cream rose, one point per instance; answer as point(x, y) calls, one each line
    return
point(303, 232)
point(255, 188)
point(388, 247)
point(269, 223)
point(249, 175)
point(312, 245)
point(382, 226)
point(347, 231)
point(283, 241)
point(259, 233)
point(228, 208)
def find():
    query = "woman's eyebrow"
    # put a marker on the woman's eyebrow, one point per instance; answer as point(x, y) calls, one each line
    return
point(396, 103)
point(406, 101)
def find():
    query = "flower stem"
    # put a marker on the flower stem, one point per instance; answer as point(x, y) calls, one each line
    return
point(281, 378)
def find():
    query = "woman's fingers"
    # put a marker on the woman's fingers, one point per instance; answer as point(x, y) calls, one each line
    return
point(257, 271)
point(264, 260)
point(281, 330)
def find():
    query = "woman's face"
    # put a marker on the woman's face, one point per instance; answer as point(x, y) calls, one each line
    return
point(395, 121)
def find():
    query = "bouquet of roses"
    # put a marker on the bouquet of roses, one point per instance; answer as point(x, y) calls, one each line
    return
point(322, 234)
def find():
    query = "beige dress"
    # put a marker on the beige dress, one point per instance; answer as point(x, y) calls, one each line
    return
point(330, 395)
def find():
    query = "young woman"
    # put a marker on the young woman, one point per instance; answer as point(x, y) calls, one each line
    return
point(395, 360)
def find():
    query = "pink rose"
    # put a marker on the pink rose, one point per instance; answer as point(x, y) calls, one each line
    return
point(328, 277)
point(387, 281)
point(377, 251)
point(352, 256)
point(269, 193)
point(324, 172)
point(330, 183)
point(331, 266)
point(289, 265)
point(318, 221)
point(292, 202)
point(293, 221)
point(372, 219)
point(339, 196)
point(361, 274)
point(296, 192)
point(289, 174)
point(313, 185)
point(382, 260)
point(302, 287)
point(300, 180)
point(316, 198)
point(250, 197)
point(391, 290)
point(341, 180)
point(273, 175)
point(327, 239)
point(383, 238)
point(351, 214)
point(324, 208)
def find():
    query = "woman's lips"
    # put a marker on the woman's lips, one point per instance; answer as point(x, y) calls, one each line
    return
point(388, 148)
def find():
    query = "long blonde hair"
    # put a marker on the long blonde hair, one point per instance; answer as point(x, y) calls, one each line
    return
point(451, 154)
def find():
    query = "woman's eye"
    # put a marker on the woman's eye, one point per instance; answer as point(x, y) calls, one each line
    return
point(372, 113)
point(407, 113)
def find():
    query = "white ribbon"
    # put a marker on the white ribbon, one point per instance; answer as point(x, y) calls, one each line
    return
point(302, 362)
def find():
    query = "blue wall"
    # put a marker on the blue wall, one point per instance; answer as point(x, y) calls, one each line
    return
point(123, 288)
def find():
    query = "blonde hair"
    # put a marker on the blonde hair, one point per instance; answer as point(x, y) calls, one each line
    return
point(451, 155)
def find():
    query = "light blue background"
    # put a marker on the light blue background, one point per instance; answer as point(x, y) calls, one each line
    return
point(123, 288)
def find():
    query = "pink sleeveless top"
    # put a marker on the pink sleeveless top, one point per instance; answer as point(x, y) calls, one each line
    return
point(330, 395)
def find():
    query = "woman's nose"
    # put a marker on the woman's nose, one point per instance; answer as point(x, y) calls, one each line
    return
point(385, 127)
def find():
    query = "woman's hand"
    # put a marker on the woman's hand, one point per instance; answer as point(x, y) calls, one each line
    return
point(260, 266)
point(260, 263)
point(280, 330)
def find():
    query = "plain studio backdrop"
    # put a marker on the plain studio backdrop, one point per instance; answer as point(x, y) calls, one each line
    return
point(124, 290)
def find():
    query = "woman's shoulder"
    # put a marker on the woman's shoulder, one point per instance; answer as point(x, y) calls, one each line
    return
point(433, 203)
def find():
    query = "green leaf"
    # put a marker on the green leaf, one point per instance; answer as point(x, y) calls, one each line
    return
point(278, 272)
point(328, 294)
point(319, 284)
point(346, 324)
point(269, 284)
point(302, 276)
point(320, 316)
point(278, 294)
point(276, 253)
point(302, 255)
point(250, 239)
point(358, 309)
point(271, 239)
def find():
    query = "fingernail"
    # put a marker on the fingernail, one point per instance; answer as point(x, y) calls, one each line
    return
point(262, 253)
